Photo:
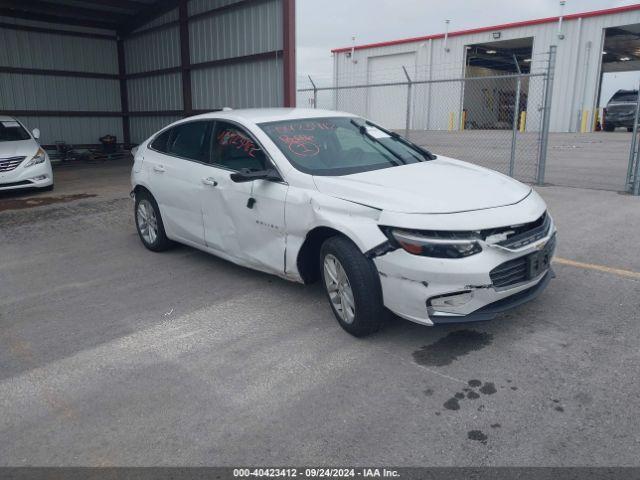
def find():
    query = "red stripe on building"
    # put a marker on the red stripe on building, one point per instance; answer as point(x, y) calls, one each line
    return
point(525, 23)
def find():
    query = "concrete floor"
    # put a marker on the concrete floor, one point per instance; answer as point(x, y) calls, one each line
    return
point(114, 355)
point(594, 160)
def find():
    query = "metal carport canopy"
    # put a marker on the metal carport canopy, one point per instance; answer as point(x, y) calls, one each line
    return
point(124, 20)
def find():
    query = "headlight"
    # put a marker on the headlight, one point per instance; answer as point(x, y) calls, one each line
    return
point(39, 157)
point(418, 244)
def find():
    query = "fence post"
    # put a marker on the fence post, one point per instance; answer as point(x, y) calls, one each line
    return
point(516, 118)
point(546, 115)
point(409, 100)
point(629, 183)
point(315, 92)
point(636, 177)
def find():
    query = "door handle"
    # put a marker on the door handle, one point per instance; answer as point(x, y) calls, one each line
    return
point(159, 169)
point(210, 181)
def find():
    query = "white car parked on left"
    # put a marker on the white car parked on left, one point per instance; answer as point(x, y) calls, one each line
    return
point(23, 163)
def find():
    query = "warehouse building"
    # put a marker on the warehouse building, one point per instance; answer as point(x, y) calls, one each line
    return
point(589, 46)
point(80, 69)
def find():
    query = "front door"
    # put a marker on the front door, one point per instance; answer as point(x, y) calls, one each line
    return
point(243, 221)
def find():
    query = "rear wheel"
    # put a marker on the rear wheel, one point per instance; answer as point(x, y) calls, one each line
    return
point(352, 285)
point(149, 223)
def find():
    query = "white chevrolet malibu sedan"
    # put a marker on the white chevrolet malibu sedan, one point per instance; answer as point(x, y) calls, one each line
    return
point(383, 223)
point(23, 163)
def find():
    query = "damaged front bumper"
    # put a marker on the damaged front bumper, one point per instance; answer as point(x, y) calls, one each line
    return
point(433, 291)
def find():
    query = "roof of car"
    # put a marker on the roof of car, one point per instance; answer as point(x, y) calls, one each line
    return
point(262, 115)
point(5, 118)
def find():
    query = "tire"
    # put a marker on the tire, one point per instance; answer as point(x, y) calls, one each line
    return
point(362, 279)
point(629, 129)
point(609, 128)
point(149, 223)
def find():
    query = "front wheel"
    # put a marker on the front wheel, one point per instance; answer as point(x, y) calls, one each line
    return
point(352, 285)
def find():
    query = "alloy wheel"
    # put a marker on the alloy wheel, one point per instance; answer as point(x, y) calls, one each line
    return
point(147, 222)
point(339, 289)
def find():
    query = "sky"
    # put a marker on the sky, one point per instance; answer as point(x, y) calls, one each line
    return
point(326, 24)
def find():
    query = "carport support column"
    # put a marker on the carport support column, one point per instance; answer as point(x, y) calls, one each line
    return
point(546, 115)
point(124, 95)
point(289, 51)
point(185, 58)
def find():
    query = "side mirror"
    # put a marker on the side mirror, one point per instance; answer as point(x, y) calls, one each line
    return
point(36, 133)
point(246, 175)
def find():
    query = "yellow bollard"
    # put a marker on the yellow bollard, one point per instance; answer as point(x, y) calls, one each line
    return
point(451, 121)
point(585, 119)
point(523, 121)
point(463, 120)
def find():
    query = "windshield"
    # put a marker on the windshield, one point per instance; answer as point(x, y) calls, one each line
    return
point(625, 96)
point(340, 146)
point(12, 131)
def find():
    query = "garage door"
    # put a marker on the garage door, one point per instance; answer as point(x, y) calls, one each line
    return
point(383, 103)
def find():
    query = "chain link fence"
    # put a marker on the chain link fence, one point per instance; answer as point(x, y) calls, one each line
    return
point(496, 121)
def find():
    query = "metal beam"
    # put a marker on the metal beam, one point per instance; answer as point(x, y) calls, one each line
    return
point(132, 5)
point(124, 93)
point(235, 60)
point(10, 12)
point(57, 73)
point(54, 31)
point(185, 58)
point(154, 73)
point(149, 13)
point(60, 113)
point(289, 51)
point(64, 11)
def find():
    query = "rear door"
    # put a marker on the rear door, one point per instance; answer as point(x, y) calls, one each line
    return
point(244, 221)
point(176, 164)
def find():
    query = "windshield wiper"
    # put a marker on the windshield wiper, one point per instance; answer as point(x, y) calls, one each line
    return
point(396, 136)
point(363, 131)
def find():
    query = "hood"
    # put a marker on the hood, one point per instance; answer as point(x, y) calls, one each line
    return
point(443, 185)
point(21, 148)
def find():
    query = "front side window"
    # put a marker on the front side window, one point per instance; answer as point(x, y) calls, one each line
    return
point(339, 146)
point(188, 140)
point(233, 148)
point(12, 131)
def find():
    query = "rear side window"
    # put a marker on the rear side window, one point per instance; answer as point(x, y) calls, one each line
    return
point(160, 143)
point(187, 140)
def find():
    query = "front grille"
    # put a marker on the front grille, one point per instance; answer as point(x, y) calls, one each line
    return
point(8, 164)
point(509, 273)
point(528, 233)
point(15, 184)
point(629, 108)
point(517, 270)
